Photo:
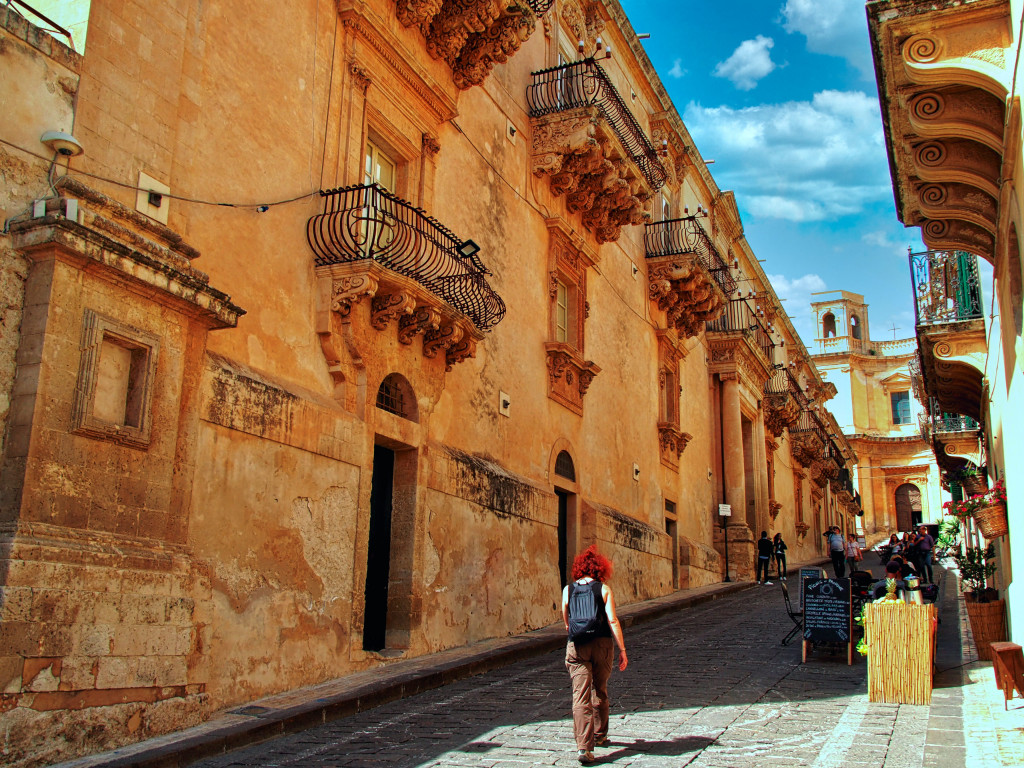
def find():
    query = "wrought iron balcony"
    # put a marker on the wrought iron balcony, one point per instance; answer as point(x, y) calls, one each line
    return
point(369, 224)
point(809, 439)
point(683, 236)
point(584, 84)
point(783, 382)
point(949, 422)
point(783, 401)
point(946, 287)
point(740, 316)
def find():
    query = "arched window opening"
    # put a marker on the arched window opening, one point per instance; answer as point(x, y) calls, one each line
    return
point(828, 326)
point(564, 466)
point(855, 327)
point(396, 396)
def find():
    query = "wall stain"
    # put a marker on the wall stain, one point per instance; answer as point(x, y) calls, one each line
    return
point(487, 483)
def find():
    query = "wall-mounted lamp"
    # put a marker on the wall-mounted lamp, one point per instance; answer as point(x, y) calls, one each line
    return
point(62, 143)
point(468, 249)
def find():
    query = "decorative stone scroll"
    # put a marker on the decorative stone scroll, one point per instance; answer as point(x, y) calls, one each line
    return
point(781, 411)
point(774, 507)
point(806, 447)
point(470, 35)
point(579, 151)
point(394, 300)
point(683, 288)
point(673, 442)
point(569, 375)
point(801, 529)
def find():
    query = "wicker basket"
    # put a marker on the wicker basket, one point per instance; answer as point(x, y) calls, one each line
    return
point(991, 521)
point(987, 624)
point(974, 485)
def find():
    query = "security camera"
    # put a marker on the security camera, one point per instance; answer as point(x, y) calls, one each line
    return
point(62, 143)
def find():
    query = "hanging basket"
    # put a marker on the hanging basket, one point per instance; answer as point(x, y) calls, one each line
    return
point(991, 521)
point(974, 485)
point(987, 624)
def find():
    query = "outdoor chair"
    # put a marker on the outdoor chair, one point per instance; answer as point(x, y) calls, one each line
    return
point(796, 616)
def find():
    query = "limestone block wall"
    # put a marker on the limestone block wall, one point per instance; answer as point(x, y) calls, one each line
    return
point(41, 79)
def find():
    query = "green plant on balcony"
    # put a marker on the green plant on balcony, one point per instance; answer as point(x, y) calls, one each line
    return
point(949, 534)
point(976, 566)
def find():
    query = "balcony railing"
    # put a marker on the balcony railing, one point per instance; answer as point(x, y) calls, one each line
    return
point(582, 84)
point(946, 286)
point(782, 382)
point(367, 222)
point(681, 236)
point(950, 422)
point(740, 316)
point(540, 7)
point(810, 422)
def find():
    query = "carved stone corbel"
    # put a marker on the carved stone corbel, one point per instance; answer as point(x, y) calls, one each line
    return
point(422, 319)
point(437, 339)
point(349, 290)
point(387, 307)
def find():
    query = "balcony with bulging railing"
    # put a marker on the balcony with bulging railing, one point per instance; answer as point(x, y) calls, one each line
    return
point(809, 439)
point(371, 244)
point(472, 36)
point(950, 329)
point(741, 320)
point(783, 401)
point(947, 288)
point(688, 278)
point(593, 149)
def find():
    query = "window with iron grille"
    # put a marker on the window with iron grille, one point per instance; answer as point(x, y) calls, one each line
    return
point(564, 466)
point(391, 396)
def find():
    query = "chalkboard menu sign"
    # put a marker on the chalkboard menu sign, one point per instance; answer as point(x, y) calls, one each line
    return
point(828, 608)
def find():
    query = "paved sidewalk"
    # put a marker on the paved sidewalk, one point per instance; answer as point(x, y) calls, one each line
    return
point(708, 686)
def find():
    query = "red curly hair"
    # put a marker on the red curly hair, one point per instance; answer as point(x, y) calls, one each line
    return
point(591, 563)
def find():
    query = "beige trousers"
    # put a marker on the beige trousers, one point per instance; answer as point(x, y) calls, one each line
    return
point(590, 666)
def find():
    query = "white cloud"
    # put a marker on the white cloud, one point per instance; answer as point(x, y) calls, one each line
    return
point(833, 27)
point(796, 297)
point(750, 62)
point(677, 70)
point(799, 161)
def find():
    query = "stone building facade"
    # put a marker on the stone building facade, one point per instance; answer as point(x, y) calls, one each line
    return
point(351, 323)
point(948, 75)
point(881, 413)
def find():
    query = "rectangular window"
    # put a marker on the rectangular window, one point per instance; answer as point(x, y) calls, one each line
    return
point(561, 312)
point(378, 168)
point(900, 407)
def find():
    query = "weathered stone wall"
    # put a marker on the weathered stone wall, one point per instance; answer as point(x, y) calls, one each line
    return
point(273, 523)
point(490, 566)
point(41, 79)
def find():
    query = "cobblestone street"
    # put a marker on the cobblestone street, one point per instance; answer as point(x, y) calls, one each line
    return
point(708, 687)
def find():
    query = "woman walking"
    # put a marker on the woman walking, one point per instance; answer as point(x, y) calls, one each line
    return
point(853, 553)
point(779, 548)
point(588, 609)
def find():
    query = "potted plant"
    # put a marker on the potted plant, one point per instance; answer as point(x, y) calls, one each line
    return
point(969, 477)
point(988, 510)
point(984, 608)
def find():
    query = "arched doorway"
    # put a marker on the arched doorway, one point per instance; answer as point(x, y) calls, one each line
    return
point(908, 506)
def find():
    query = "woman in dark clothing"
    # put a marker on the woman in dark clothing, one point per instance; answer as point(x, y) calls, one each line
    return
point(779, 548)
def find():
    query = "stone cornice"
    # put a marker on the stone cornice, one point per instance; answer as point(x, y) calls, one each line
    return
point(124, 255)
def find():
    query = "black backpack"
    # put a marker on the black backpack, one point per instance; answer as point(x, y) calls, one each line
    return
point(586, 612)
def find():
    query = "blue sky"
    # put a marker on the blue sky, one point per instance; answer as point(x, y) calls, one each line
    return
point(781, 94)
